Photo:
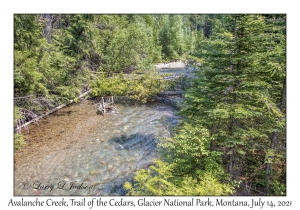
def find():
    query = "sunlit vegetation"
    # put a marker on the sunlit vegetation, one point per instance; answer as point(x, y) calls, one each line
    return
point(139, 87)
point(232, 139)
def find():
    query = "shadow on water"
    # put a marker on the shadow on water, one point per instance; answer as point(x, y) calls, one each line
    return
point(140, 150)
point(131, 141)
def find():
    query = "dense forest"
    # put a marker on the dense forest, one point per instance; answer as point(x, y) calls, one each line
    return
point(232, 136)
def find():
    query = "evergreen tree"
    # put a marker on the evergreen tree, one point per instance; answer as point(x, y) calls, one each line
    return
point(235, 109)
point(233, 96)
point(28, 50)
point(172, 37)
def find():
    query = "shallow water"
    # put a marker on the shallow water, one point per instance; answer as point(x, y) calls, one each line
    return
point(178, 71)
point(78, 152)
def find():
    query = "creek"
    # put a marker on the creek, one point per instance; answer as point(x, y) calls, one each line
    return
point(76, 145)
point(76, 151)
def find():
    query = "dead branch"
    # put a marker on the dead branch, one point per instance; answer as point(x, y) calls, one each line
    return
point(31, 117)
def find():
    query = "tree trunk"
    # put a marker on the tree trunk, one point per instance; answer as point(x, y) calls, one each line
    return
point(231, 163)
point(207, 27)
point(47, 30)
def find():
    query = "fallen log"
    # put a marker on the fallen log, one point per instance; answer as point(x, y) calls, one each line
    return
point(51, 111)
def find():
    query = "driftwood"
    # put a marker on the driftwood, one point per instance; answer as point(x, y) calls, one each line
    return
point(106, 103)
point(51, 111)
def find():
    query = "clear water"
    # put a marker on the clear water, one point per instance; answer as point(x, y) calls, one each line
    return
point(75, 146)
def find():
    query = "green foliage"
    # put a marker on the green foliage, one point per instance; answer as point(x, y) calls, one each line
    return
point(159, 180)
point(277, 188)
point(146, 86)
point(154, 181)
point(106, 86)
point(18, 137)
point(127, 48)
point(190, 168)
point(237, 95)
point(189, 149)
point(43, 68)
point(139, 87)
point(17, 115)
point(54, 54)
point(175, 37)
point(18, 140)
point(182, 83)
point(206, 184)
point(28, 42)
point(234, 109)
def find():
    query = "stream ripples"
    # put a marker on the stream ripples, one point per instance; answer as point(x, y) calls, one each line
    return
point(78, 152)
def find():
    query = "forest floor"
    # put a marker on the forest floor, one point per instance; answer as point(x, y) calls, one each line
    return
point(175, 64)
